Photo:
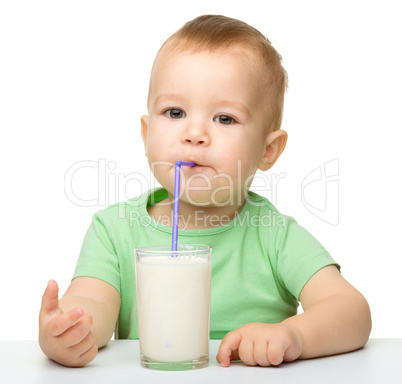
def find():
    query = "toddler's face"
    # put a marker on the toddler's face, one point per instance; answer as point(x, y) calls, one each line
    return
point(207, 108)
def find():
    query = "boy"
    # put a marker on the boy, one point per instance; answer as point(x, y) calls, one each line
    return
point(215, 98)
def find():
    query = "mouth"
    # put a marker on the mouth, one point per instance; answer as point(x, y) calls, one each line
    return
point(197, 163)
point(200, 169)
point(197, 168)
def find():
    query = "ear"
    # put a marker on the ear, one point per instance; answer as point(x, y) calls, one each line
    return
point(275, 143)
point(144, 132)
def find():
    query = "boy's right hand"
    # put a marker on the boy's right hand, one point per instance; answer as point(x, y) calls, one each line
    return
point(65, 337)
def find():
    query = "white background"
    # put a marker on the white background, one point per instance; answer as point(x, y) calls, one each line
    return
point(73, 85)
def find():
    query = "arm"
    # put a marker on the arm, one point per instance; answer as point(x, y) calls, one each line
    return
point(71, 330)
point(336, 319)
point(336, 316)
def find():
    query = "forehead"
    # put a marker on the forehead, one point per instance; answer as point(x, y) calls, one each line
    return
point(230, 71)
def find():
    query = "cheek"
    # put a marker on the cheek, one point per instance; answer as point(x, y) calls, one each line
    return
point(246, 164)
point(161, 141)
point(156, 146)
point(240, 156)
point(163, 173)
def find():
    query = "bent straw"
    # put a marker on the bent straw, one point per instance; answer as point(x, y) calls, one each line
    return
point(178, 165)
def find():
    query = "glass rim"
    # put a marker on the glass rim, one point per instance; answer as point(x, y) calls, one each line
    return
point(167, 249)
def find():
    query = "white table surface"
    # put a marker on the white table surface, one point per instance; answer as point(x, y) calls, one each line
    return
point(380, 362)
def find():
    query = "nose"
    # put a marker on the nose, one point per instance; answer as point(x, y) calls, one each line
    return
point(196, 134)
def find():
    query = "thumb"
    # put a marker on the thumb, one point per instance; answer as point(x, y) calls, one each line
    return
point(50, 299)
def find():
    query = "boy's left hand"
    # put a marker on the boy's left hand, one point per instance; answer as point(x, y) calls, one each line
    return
point(260, 344)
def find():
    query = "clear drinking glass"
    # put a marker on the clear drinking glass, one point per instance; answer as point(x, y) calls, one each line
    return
point(173, 300)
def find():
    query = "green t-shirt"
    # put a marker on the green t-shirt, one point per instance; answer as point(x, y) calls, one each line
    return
point(261, 260)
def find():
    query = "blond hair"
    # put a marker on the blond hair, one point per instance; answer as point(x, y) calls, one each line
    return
point(212, 32)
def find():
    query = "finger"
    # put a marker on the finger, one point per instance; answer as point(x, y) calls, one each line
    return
point(246, 352)
point(83, 353)
point(89, 355)
point(292, 352)
point(50, 299)
point(77, 332)
point(228, 348)
point(276, 352)
point(59, 324)
point(260, 353)
point(84, 346)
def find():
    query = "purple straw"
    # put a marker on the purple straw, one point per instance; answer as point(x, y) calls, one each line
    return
point(177, 167)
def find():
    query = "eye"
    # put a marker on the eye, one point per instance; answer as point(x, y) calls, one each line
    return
point(175, 113)
point(224, 119)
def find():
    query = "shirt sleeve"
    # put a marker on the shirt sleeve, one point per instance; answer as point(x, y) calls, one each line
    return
point(98, 256)
point(299, 256)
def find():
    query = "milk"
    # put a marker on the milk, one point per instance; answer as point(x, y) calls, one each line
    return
point(173, 298)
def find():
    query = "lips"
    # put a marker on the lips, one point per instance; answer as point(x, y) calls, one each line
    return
point(198, 168)
point(199, 165)
point(198, 162)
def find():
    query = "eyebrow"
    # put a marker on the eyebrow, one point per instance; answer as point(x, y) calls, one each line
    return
point(167, 97)
point(239, 106)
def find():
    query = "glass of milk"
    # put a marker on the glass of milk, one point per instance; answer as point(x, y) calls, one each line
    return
point(173, 300)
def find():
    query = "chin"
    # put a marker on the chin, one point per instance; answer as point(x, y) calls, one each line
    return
point(207, 199)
